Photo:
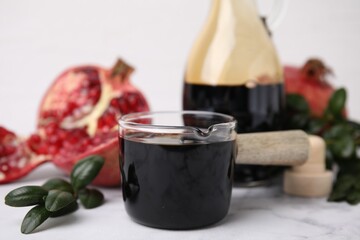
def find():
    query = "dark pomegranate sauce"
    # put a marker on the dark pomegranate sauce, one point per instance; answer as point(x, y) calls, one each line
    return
point(174, 184)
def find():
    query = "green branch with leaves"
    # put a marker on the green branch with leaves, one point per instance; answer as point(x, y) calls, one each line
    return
point(342, 137)
point(58, 197)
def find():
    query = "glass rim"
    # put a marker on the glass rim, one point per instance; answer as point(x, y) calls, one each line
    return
point(125, 120)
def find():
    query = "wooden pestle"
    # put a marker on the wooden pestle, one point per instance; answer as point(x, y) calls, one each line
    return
point(287, 148)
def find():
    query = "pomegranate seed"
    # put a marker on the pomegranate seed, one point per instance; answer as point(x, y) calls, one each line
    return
point(92, 74)
point(94, 93)
point(85, 84)
point(110, 120)
point(86, 141)
point(81, 148)
point(53, 150)
point(51, 114)
point(81, 132)
point(114, 103)
point(3, 132)
point(2, 153)
point(8, 150)
point(33, 142)
point(134, 101)
point(101, 123)
point(72, 140)
point(55, 141)
point(6, 135)
point(35, 139)
point(4, 168)
point(67, 145)
point(97, 141)
point(45, 114)
point(51, 128)
point(62, 134)
point(123, 106)
point(42, 149)
point(70, 108)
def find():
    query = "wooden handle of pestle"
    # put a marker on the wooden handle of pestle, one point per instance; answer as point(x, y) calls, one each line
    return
point(287, 148)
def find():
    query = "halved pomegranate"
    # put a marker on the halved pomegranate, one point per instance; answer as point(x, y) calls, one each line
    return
point(78, 117)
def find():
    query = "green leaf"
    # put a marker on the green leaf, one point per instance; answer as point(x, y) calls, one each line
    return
point(343, 147)
point(59, 184)
point(57, 200)
point(34, 218)
point(299, 121)
point(337, 102)
point(337, 131)
point(357, 184)
point(315, 126)
point(85, 171)
point(298, 103)
point(353, 197)
point(72, 207)
point(25, 196)
point(343, 184)
point(91, 198)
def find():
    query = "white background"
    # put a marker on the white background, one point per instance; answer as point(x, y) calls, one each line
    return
point(39, 39)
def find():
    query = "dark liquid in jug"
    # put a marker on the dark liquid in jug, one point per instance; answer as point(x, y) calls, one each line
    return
point(256, 109)
point(171, 185)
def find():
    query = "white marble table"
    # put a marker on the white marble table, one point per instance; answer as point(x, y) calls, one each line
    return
point(258, 213)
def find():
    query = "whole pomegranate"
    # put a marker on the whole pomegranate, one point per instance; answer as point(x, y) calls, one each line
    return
point(77, 118)
point(310, 82)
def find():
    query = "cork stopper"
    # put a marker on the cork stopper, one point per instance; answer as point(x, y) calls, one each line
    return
point(310, 179)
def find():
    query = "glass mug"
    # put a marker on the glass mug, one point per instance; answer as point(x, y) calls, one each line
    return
point(177, 167)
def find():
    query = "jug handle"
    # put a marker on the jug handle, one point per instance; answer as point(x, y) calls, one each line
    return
point(277, 13)
point(285, 148)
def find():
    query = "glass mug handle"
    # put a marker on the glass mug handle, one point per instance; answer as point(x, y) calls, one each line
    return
point(277, 13)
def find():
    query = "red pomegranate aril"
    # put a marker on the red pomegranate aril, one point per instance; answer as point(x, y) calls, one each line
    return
point(114, 103)
point(5, 135)
point(42, 149)
point(51, 128)
point(123, 106)
point(2, 151)
point(33, 142)
point(35, 138)
point(94, 93)
point(86, 142)
point(101, 123)
point(71, 106)
point(54, 141)
point(8, 150)
point(4, 168)
point(132, 100)
point(110, 120)
point(62, 134)
point(53, 150)
point(49, 114)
